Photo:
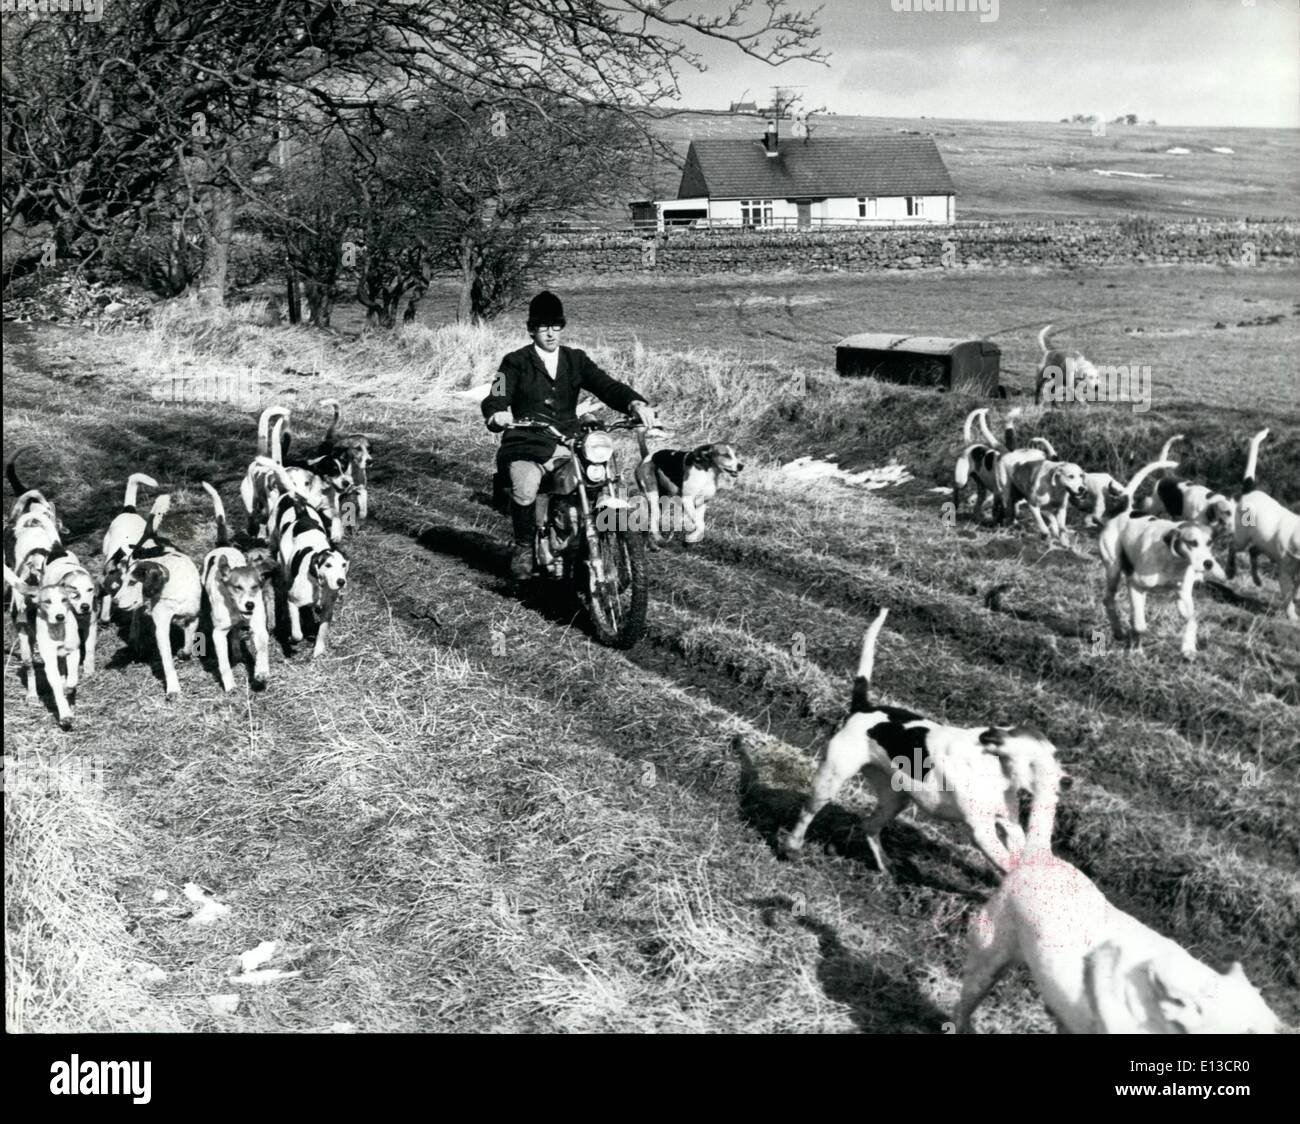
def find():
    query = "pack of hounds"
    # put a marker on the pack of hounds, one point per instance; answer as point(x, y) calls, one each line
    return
point(296, 523)
point(1097, 969)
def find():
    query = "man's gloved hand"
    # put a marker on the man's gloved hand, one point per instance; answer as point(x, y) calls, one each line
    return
point(644, 414)
point(498, 421)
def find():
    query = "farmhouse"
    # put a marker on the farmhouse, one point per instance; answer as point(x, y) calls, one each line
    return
point(805, 183)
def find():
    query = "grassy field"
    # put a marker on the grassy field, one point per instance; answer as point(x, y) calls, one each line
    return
point(471, 817)
point(1046, 170)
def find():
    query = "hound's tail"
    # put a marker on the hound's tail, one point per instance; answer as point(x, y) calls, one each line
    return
point(968, 426)
point(219, 510)
point(276, 469)
point(1044, 444)
point(334, 424)
point(1130, 489)
point(277, 444)
point(1252, 461)
point(861, 701)
point(133, 482)
point(161, 506)
point(11, 471)
point(961, 472)
point(1043, 337)
point(1164, 450)
point(264, 426)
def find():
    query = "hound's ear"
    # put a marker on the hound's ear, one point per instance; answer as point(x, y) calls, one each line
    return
point(1115, 489)
point(992, 737)
point(1174, 541)
point(153, 579)
point(267, 568)
point(702, 452)
point(223, 566)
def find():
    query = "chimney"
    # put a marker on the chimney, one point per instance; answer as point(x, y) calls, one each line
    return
point(769, 138)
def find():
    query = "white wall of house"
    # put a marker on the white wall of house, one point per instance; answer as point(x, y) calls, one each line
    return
point(847, 210)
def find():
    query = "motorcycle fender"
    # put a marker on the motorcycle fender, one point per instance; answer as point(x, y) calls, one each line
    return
point(613, 501)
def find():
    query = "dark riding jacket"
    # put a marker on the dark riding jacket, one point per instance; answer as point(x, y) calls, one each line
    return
point(523, 387)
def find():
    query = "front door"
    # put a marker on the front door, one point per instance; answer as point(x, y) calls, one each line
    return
point(805, 215)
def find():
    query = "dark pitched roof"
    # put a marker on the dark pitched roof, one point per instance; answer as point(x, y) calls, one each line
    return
point(831, 166)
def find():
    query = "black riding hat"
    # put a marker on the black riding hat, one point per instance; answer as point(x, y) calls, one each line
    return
point(545, 309)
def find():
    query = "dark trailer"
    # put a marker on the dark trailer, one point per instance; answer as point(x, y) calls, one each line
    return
point(965, 366)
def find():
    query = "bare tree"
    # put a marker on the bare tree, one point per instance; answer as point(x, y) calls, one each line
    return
point(97, 114)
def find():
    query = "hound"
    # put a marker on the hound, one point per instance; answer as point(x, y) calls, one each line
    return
point(56, 610)
point(1045, 484)
point(1177, 499)
point(30, 500)
point(978, 462)
point(36, 529)
point(1065, 369)
point(1099, 970)
point(1146, 554)
point(236, 588)
point(1261, 525)
point(360, 452)
point(164, 584)
point(257, 489)
point(696, 476)
point(322, 477)
point(119, 540)
point(1100, 489)
point(314, 573)
point(969, 775)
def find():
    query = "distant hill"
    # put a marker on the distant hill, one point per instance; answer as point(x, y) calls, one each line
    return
point(1029, 169)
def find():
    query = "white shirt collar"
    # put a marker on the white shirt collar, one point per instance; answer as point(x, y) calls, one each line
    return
point(550, 360)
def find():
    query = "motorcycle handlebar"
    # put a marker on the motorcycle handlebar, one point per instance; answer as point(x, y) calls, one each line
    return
point(629, 423)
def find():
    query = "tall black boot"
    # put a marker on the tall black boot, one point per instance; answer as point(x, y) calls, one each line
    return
point(525, 525)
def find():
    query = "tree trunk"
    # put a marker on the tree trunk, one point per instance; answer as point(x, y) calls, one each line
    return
point(295, 307)
point(216, 259)
point(469, 280)
point(321, 300)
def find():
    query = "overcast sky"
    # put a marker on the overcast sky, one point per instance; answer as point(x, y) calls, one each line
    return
point(1182, 62)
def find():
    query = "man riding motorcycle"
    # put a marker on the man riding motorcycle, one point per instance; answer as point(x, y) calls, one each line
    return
point(541, 383)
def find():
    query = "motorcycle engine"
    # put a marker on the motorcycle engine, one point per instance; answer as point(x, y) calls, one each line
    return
point(564, 524)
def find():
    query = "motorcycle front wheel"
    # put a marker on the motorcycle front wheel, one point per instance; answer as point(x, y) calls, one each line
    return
point(617, 606)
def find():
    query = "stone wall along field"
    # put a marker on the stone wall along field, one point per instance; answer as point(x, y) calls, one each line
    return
point(984, 245)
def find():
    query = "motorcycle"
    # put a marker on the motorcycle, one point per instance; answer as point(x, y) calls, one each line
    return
point(585, 533)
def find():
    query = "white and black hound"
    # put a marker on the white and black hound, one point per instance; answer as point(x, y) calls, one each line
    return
point(120, 539)
point(1178, 499)
point(162, 583)
point(968, 775)
point(1146, 554)
point(314, 572)
point(1261, 525)
point(694, 476)
point(978, 461)
point(55, 610)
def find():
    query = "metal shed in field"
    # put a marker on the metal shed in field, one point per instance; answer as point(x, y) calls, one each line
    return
point(969, 366)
